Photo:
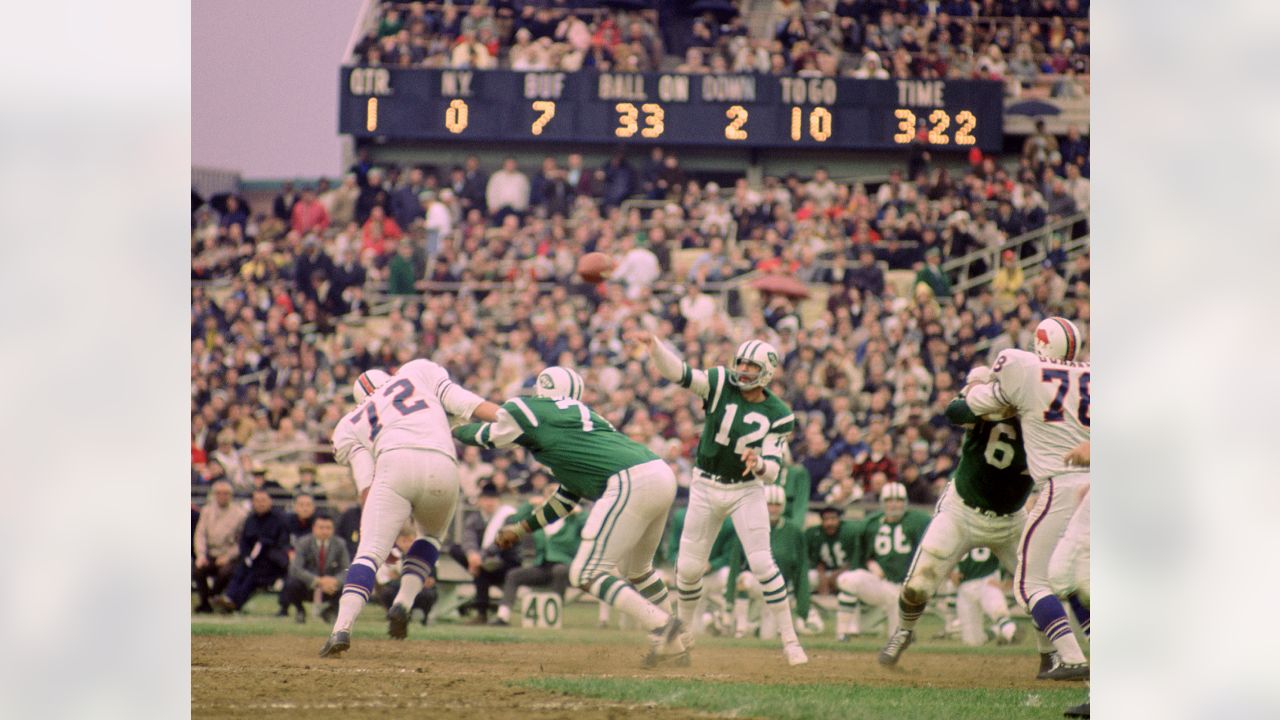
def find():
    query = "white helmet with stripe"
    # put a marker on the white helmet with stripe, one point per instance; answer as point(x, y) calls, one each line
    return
point(893, 491)
point(558, 382)
point(367, 382)
point(889, 493)
point(1057, 338)
point(759, 353)
point(775, 495)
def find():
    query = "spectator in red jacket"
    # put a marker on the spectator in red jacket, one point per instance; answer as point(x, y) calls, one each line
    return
point(380, 233)
point(309, 214)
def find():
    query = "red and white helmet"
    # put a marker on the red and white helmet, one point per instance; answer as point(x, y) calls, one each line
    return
point(367, 382)
point(1057, 338)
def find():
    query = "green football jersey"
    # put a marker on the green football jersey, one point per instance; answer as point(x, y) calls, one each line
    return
point(734, 424)
point(978, 563)
point(581, 449)
point(893, 544)
point(992, 473)
point(790, 552)
point(834, 552)
point(796, 485)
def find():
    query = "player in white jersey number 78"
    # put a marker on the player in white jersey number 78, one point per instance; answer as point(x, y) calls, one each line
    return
point(1049, 389)
point(402, 423)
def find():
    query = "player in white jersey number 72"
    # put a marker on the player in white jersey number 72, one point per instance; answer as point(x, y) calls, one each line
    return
point(403, 424)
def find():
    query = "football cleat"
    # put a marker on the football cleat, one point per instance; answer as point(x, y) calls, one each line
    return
point(1047, 661)
point(398, 622)
point(338, 643)
point(660, 641)
point(795, 654)
point(892, 650)
point(1067, 672)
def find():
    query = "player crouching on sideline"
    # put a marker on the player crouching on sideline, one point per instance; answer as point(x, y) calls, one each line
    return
point(786, 541)
point(633, 489)
point(981, 507)
point(979, 595)
point(739, 453)
point(889, 540)
point(1049, 391)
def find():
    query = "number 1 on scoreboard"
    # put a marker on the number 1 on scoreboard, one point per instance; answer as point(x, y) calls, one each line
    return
point(548, 110)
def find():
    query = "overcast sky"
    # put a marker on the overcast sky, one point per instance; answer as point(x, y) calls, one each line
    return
point(264, 85)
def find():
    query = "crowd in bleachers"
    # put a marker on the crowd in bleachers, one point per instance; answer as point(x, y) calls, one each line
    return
point(283, 325)
point(1018, 42)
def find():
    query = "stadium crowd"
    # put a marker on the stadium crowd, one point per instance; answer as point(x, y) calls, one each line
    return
point(1018, 42)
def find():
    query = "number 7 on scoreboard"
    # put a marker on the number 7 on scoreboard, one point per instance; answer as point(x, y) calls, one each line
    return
point(548, 110)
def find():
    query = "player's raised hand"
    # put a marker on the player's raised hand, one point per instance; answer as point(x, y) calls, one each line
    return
point(638, 342)
point(750, 459)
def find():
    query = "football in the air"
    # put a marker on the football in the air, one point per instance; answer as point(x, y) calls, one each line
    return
point(595, 267)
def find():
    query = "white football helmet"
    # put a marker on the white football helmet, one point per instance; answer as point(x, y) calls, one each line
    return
point(1057, 338)
point(758, 353)
point(775, 495)
point(558, 382)
point(367, 382)
point(893, 491)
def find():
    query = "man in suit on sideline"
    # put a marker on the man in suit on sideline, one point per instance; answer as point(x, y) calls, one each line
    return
point(318, 569)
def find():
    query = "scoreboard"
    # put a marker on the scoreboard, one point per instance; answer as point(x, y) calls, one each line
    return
point(752, 111)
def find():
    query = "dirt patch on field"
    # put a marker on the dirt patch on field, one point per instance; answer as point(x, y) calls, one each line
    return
point(277, 676)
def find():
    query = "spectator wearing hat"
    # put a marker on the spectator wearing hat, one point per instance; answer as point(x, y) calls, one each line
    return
point(216, 542)
point(478, 553)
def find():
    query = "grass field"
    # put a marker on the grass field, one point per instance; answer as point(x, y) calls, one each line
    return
point(247, 664)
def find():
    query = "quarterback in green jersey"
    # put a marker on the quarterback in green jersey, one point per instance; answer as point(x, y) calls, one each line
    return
point(739, 452)
point(888, 540)
point(982, 506)
point(632, 489)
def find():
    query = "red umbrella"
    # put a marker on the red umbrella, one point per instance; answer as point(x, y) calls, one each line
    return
point(782, 285)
